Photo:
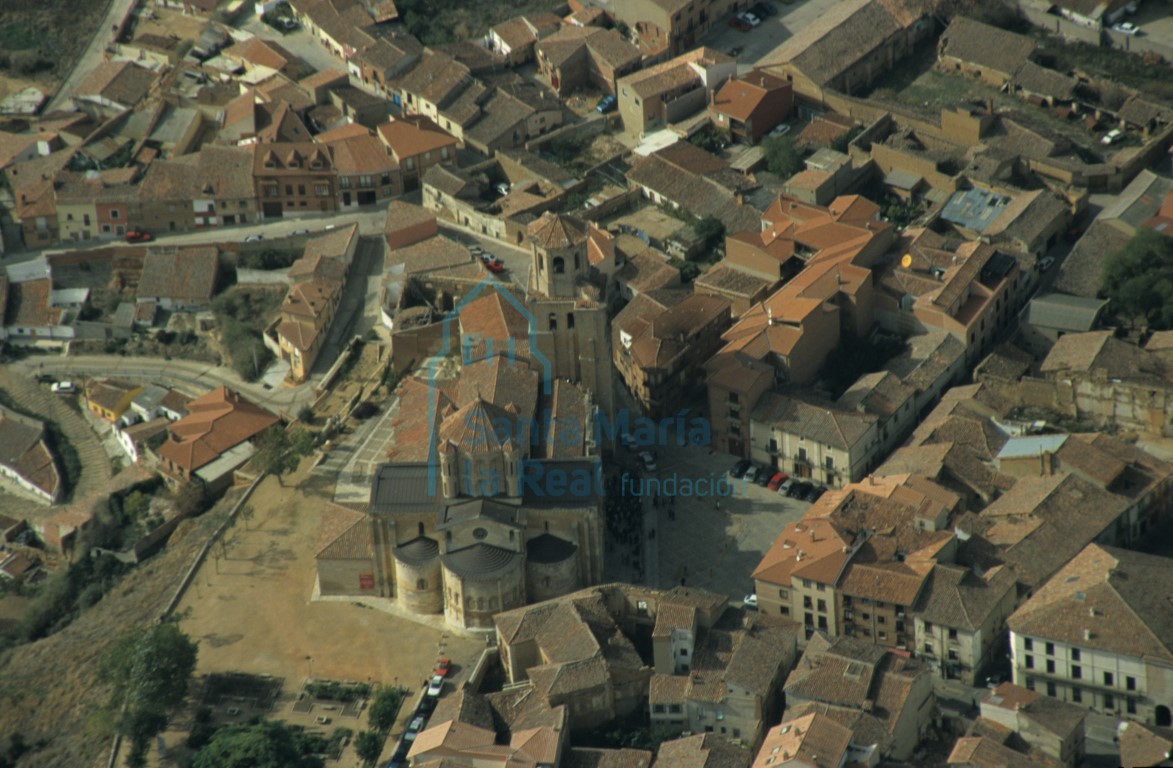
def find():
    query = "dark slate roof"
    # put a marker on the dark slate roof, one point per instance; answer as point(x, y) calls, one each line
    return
point(547, 548)
point(480, 561)
point(406, 487)
point(468, 510)
point(418, 551)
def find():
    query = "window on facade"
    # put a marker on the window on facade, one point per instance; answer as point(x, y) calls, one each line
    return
point(289, 190)
point(1050, 667)
point(1050, 649)
point(114, 214)
point(735, 429)
point(1076, 672)
point(344, 182)
point(1029, 662)
point(829, 462)
point(822, 622)
point(1051, 689)
point(1130, 706)
point(953, 634)
point(366, 181)
point(952, 655)
point(1030, 683)
point(785, 611)
point(883, 635)
point(659, 709)
point(1130, 683)
point(928, 647)
point(1077, 695)
point(1075, 654)
point(322, 190)
point(1028, 644)
point(301, 189)
point(421, 584)
point(1109, 679)
point(1109, 701)
point(823, 606)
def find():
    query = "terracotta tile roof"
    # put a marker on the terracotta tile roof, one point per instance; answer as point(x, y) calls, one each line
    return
point(23, 451)
point(655, 80)
point(825, 424)
point(294, 157)
point(110, 393)
point(984, 752)
point(554, 231)
point(956, 597)
point(184, 273)
point(259, 52)
point(521, 31)
point(812, 549)
point(344, 534)
point(704, 750)
point(814, 739)
point(433, 254)
point(310, 298)
point(406, 139)
point(1144, 744)
point(28, 304)
point(741, 97)
point(985, 46)
point(436, 78)
point(840, 38)
point(122, 82)
point(216, 422)
point(1106, 599)
point(1037, 712)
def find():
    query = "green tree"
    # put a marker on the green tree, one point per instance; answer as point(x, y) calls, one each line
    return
point(191, 498)
point(712, 230)
point(385, 708)
point(782, 158)
point(280, 451)
point(150, 669)
point(258, 745)
point(1138, 279)
point(368, 745)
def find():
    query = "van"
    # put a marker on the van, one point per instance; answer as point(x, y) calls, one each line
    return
point(63, 387)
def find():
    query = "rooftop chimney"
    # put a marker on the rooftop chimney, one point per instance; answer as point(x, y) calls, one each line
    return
point(1087, 634)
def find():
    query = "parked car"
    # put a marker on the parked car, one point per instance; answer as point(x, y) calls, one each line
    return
point(136, 235)
point(781, 129)
point(750, 19)
point(751, 474)
point(799, 490)
point(300, 232)
point(816, 494)
point(739, 23)
point(1127, 28)
point(648, 460)
point(435, 685)
point(254, 238)
point(64, 387)
point(413, 729)
point(492, 263)
point(1046, 263)
point(443, 665)
point(738, 470)
point(606, 104)
point(785, 487)
point(1112, 136)
point(762, 10)
point(750, 601)
point(763, 477)
point(776, 480)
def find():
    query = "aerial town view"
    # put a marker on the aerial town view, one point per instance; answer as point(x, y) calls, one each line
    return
point(586, 383)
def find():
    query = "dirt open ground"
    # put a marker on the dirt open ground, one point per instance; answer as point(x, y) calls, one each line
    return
point(251, 608)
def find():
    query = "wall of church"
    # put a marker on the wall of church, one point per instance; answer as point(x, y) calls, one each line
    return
point(544, 581)
point(346, 577)
point(421, 588)
point(471, 603)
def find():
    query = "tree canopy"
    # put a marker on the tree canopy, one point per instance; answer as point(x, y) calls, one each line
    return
point(782, 158)
point(280, 450)
point(385, 708)
point(264, 744)
point(1138, 279)
point(149, 668)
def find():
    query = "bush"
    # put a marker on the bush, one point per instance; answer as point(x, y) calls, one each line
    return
point(1138, 279)
point(782, 158)
point(29, 62)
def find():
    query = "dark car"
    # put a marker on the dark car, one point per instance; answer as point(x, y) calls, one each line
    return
point(739, 23)
point(765, 474)
point(799, 490)
point(606, 104)
point(816, 493)
point(762, 10)
point(740, 468)
point(135, 235)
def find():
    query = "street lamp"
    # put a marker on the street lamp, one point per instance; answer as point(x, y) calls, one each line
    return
point(309, 665)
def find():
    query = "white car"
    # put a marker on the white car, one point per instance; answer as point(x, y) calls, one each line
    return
point(750, 600)
point(1127, 28)
point(254, 238)
point(1112, 136)
point(781, 129)
point(63, 387)
point(749, 18)
point(413, 729)
point(503, 189)
point(785, 487)
point(1046, 263)
point(436, 685)
point(752, 473)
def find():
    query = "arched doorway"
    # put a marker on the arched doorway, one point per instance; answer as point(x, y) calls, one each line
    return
point(1164, 718)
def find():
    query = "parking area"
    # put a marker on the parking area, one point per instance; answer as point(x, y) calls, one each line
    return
point(749, 46)
point(717, 530)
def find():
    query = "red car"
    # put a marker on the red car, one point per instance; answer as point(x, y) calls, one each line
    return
point(777, 480)
point(739, 23)
point(442, 667)
point(493, 263)
point(138, 236)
